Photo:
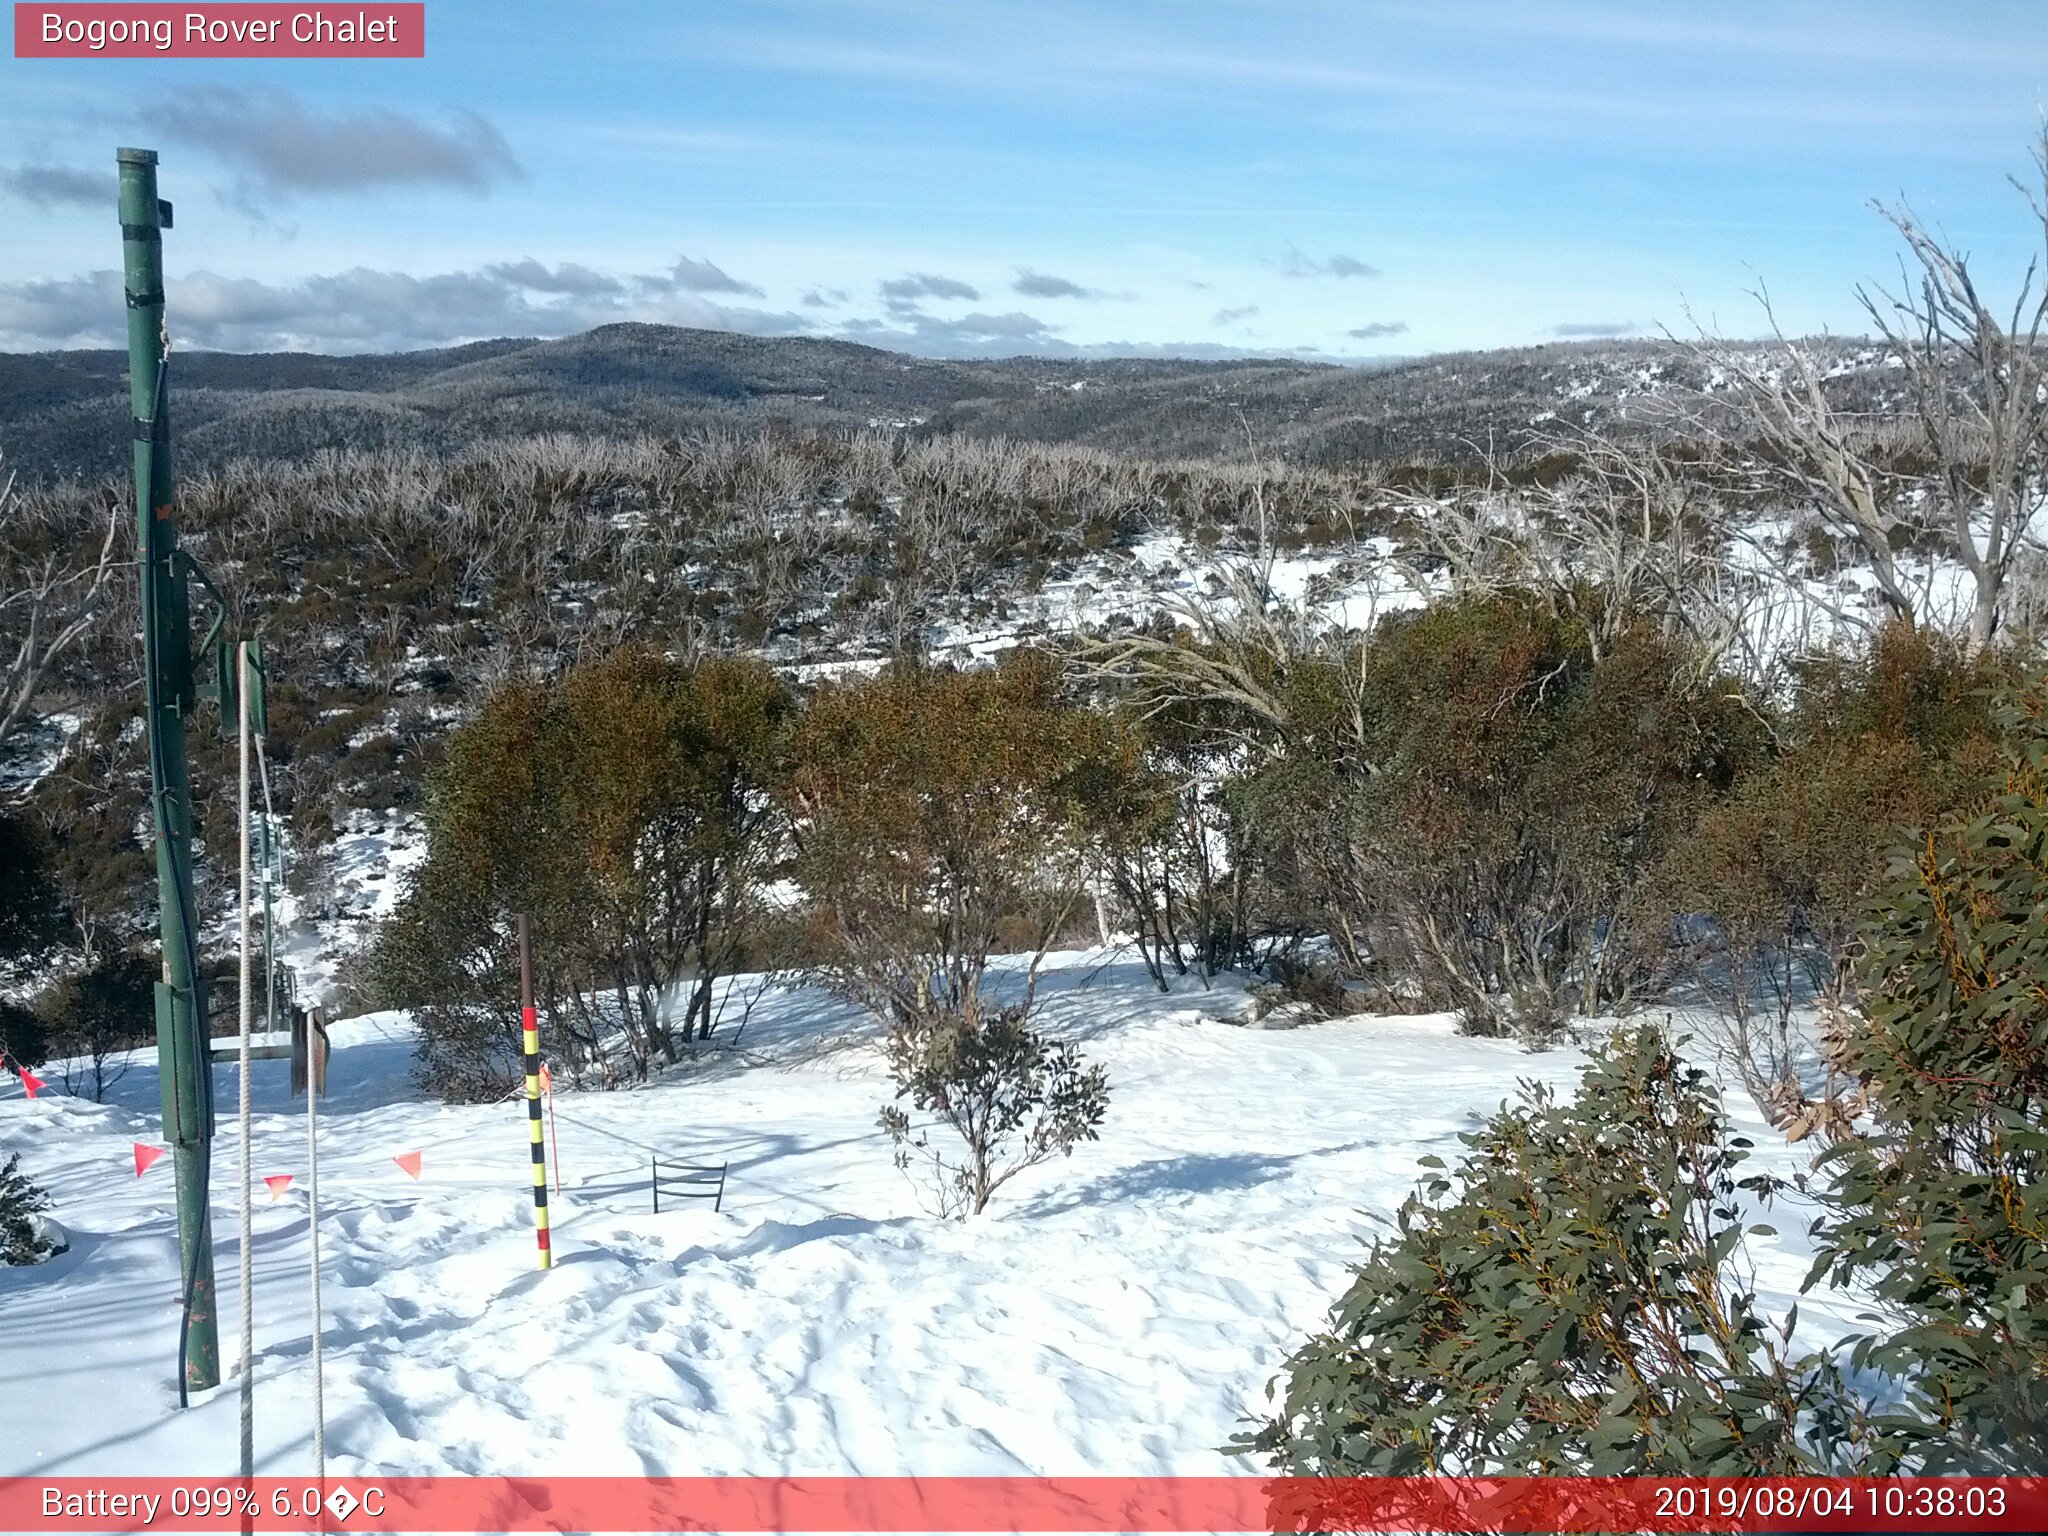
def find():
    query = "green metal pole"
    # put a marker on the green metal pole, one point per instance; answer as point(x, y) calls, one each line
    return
point(183, 1047)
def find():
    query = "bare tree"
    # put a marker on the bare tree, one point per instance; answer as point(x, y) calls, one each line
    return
point(93, 1062)
point(1233, 646)
point(1629, 534)
point(1818, 453)
point(47, 614)
point(97, 1016)
point(1975, 399)
point(1979, 395)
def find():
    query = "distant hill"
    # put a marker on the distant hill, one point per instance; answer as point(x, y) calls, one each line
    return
point(66, 413)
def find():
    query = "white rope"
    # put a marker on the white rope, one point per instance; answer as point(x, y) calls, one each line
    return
point(274, 845)
point(248, 1266)
point(313, 1235)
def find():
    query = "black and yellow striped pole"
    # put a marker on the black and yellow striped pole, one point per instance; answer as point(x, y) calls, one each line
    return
point(529, 1023)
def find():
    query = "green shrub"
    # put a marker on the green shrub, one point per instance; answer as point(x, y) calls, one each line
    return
point(1014, 1098)
point(24, 1037)
point(1560, 1303)
point(1878, 740)
point(1568, 1304)
point(20, 1202)
point(28, 892)
point(1509, 785)
point(1942, 1212)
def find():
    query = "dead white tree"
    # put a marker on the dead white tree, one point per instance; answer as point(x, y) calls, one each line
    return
point(1628, 536)
point(1817, 453)
point(1235, 646)
point(49, 611)
point(1975, 403)
point(1979, 397)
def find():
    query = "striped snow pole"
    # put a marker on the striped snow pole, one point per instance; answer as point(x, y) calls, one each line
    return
point(529, 1021)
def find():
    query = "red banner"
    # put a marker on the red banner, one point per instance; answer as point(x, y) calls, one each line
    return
point(977, 1504)
point(359, 31)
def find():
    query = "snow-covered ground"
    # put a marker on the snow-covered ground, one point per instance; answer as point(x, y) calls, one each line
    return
point(41, 747)
point(1119, 1312)
point(369, 860)
point(1349, 588)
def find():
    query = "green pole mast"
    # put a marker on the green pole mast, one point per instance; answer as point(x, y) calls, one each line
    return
point(183, 1049)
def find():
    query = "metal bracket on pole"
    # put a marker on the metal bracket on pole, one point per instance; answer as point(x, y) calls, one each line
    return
point(221, 690)
point(259, 710)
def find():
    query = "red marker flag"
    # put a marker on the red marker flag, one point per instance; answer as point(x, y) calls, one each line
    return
point(279, 1183)
point(30, 1083)
point(547, 1083)
point(409, 1161)
point(145, 1158)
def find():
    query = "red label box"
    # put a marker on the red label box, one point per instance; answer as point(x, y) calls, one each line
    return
point(239, 31)
point(368, 1505)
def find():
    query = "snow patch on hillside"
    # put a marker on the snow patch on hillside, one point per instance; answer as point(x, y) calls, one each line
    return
point(35, 750)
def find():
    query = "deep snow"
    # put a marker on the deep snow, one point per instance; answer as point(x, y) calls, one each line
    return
point(1119, 1312)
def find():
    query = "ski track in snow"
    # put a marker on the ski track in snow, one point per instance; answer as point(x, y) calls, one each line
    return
point(1119, 1312)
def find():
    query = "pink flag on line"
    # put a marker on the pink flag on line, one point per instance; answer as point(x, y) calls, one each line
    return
point(409, 1161)
point(145, 1158)
point(279, 1183)
point(30, 1083)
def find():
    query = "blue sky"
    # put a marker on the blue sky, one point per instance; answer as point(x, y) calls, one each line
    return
point(1067, 176)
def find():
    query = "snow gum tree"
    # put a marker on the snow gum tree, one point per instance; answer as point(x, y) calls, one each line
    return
point(940, 819)
point(662, 772)
point(1470, 801)
point(1491, 846)
point(1875, 740)
point(625, 808)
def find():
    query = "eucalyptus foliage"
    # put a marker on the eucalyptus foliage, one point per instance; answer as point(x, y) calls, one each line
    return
point(1014, 1098)
point(1942, 1211)
point(1563, 1301)
point(21, 1242)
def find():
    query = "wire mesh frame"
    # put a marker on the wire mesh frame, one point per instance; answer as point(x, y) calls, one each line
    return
point(686, 1181)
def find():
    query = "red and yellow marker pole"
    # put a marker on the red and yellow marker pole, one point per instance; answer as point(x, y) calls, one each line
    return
point(529, 1021)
